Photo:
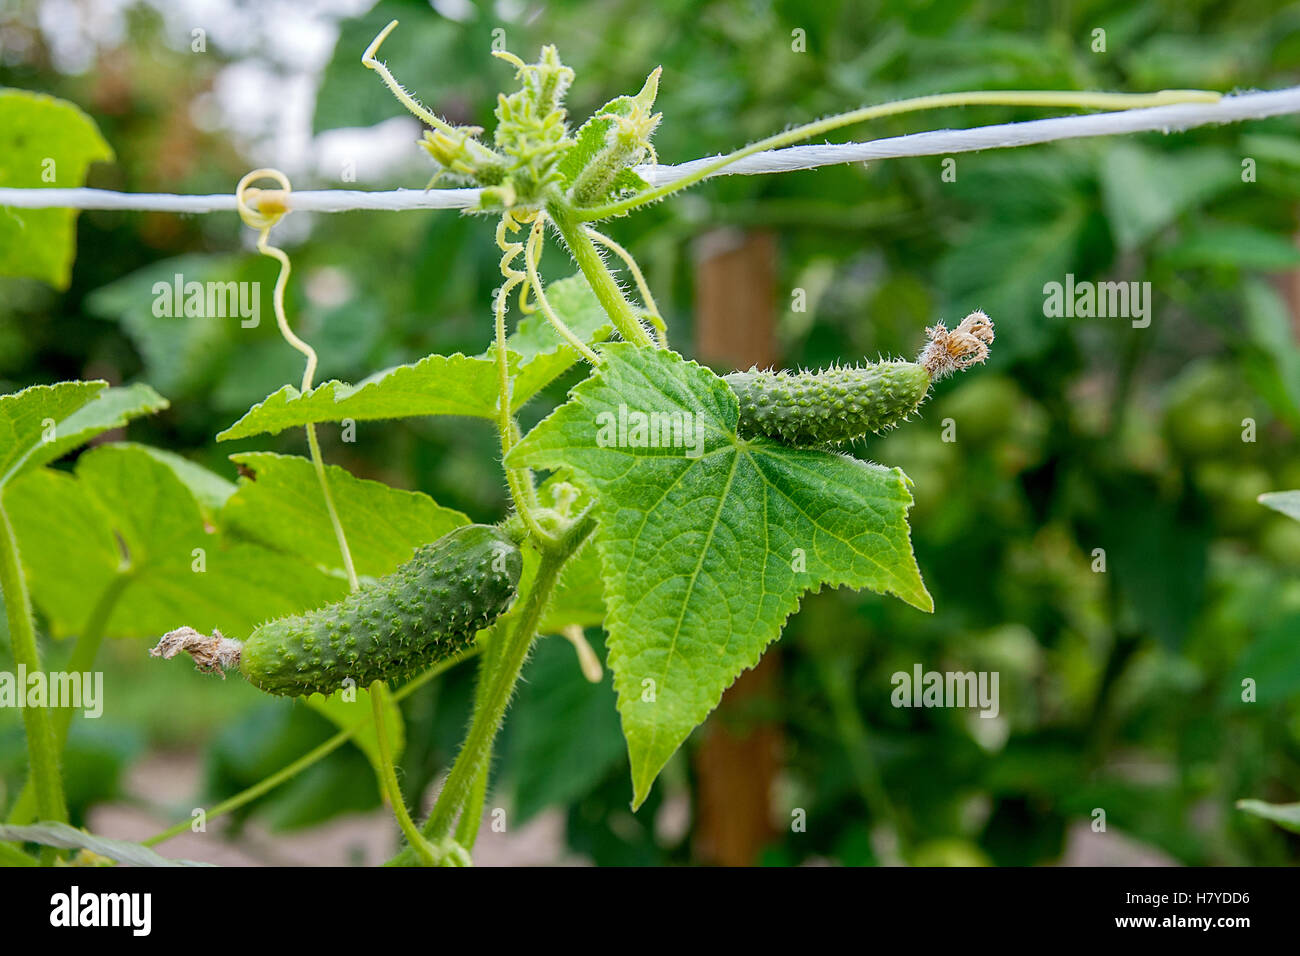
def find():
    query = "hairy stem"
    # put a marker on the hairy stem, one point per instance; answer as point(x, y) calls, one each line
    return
point(388, 776)
point(369, 61)
point(476, 752)
point(643, 287)
point(81, 661)
point(1059, 98)
point(42, 752)
point(587, 256)
point(468, 826)
point(531, 258)
point(519, 480)
point(318, 464)
point(308, 375)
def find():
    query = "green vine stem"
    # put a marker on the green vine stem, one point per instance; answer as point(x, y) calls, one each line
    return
point(388, 775)
point(269, 211)
point(311, 757)
point(531, 259)
point(589, 260)
point(476, 752)
point(468, 826)
point(519, 481)
point(643, 287)
point(266, 784)
point(82, 660)
point(42, 750)
point(1059, 98)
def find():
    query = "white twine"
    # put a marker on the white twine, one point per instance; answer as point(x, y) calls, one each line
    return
point(1175, 117)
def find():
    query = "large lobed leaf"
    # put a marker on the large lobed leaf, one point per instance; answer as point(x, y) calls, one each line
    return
point(705, 557)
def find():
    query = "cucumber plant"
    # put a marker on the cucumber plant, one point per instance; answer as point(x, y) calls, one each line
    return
point(705, 506)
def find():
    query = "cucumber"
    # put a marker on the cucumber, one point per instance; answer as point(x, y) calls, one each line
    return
point(426, 611)
point(839, 404)
point(828, 406)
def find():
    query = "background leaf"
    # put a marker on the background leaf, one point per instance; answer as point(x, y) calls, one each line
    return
point(43, 137)
point(1285, 815)
point(280, 506)
point(1242, 246)
point(78, 412)
point(124, 494)
point(1145, 190)
point(566, 735)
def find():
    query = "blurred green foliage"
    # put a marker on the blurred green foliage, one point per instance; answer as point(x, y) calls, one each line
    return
point(1120, 690)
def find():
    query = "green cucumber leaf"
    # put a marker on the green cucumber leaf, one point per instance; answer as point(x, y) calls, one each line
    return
point(1287, 502)
point(188, 355)
point(131, 523)
point(70, 838)
point(44, 142)
point(1267, 323)
point(435, 385)
point(279, 505)
point(700, 553)
point(45, 422)
point(1285, 815)
point(209, 489)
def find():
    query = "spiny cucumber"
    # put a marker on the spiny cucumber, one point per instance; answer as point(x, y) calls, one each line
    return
point(845, 402)
point(426, 611)
point(830, 405)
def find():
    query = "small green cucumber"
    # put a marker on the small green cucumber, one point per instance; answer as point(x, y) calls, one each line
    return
point(827, 406)
point(426, 611)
